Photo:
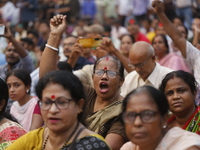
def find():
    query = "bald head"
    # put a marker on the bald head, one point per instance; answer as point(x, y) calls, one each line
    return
point(142, 56)
point(142, 49)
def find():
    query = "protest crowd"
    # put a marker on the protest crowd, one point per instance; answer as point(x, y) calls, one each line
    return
point(100, 74)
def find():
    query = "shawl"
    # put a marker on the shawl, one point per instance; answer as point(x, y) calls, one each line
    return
point(100, 117)
point(174, 62)
point(9, 132)
point(24, 113)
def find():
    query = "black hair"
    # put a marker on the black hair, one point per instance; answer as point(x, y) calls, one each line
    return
point(35, 33)
point(62, 65)
point(4, 95)
point(187, 77)
point(177, 17)
point(164, 40)
point(186, 29)
point(119, 65)
point(67, 80)
point(21, 74)
point(157, 97)
point(131, 36)
point(27, 40)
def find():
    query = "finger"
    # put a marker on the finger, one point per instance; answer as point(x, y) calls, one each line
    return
point(64, 20)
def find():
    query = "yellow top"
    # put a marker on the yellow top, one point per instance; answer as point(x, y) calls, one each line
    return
point(34, 140)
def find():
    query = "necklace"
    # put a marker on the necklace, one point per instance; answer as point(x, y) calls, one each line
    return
point(74, 131)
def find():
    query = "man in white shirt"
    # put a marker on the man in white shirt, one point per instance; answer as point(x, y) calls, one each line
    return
point(147, 71)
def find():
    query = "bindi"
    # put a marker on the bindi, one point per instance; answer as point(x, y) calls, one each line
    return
point(107, 58)
point(53, 96)
point(105, 68)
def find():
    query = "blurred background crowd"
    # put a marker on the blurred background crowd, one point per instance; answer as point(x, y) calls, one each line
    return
point(140, 37)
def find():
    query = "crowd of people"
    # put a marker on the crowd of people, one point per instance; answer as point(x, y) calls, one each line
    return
point(136, 89)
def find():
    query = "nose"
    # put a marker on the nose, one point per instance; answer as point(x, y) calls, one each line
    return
point(104, 76)
point(53, 108)
point(176, 95)
point(11, 88)
point(137, 121)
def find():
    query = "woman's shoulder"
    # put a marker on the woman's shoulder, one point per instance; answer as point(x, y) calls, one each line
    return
point(175, 137)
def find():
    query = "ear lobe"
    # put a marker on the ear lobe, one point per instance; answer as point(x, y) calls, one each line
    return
point(81, 104)
point(154, 57)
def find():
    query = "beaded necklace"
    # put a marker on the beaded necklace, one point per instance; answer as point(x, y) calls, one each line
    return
point(74, 131)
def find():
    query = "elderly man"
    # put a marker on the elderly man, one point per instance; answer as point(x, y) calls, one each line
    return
point(147, 71)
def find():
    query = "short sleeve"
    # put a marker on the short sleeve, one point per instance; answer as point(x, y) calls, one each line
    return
point(37, 109)
point(118, 128)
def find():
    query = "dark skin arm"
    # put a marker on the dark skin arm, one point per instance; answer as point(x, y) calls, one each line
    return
point(115, 141)
point(18, 47)
point(49, 56)
point(76, 52)
point(171, 30)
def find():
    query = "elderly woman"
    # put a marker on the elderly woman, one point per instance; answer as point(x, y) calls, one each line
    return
point(145, 117)
point(104, 98)
point(108, 77)
point(166, 58)
point(9, 129)
point(61, 107)
point(180, 89)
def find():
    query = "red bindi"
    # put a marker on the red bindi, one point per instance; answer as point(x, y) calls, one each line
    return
point(105, 68)
point(53, 96)
point(107, 58)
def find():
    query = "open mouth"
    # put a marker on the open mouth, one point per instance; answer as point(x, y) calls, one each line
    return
point(103, 87)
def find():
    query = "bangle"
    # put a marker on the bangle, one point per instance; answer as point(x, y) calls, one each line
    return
point(51, 47)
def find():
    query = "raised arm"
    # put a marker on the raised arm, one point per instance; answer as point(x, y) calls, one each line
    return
point(171, 30)
point(18, 47)
point(75, 54)
point(49, 56)
point(195, 41)
point(108, 46)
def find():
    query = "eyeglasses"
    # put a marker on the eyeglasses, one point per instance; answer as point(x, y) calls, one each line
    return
point(110, 74)
point(147, 116)
point(61, 103)
point(140, 65)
